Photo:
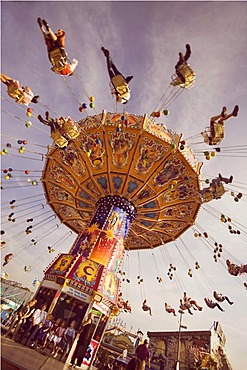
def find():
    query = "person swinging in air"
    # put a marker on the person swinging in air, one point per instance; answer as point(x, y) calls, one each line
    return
point(22, 95)
point(184, 75)
point(55, 43)
point(55, 127)
point(119, 82)
point(145, 307)
point(221, 298)
point(216, 130)
point(183, 58)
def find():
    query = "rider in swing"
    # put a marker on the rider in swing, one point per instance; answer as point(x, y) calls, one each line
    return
point(57, 41)
point(119, 82)
point(182, 60)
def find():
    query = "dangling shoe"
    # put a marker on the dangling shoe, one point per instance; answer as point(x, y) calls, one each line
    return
point(230, 179)
point(188, 49)
point(105, 51)
point(128, 79)
point(47, 116)
point(46, 24)
point(39, 20)
point(220, 177)
point(35, 99)
point(40, 118)
point(223, 113)
point(235, 111)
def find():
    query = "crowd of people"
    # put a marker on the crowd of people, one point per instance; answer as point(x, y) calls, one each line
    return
point(35, 328)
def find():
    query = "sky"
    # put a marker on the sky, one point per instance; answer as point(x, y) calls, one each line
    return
point(144, 39)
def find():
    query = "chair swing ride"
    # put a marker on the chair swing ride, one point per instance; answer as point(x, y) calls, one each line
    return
point(121, 182)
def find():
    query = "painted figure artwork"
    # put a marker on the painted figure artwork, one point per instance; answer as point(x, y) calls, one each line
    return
point(85, 242)
point(60, 176)
point(121, 143)
point(70, 158)
point(172, 170)
point(150, 152)
point(92, 146)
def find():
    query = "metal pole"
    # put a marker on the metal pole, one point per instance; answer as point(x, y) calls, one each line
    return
point(179, 338)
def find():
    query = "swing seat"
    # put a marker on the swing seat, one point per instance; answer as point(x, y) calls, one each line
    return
point(214, 135)
point(207, 196)
point(16, 93)
point(59, 140)
point(219, 191)
point(71, 129)
point(121, 87)
point(189, 75)
point(58, 58)
point(217, 133)
point(118, 81)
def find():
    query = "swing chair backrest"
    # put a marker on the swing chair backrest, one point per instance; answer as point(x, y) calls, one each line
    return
point(118, 81)
point(219, 131)
point(207, 195)
point(186, 70)
point(59, 140)
point(15, 93)
point(58, 58)
point(189, 75)
point(121, 87)
point(219, 191)
point(70, 129)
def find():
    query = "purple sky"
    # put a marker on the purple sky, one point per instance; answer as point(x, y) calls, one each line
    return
point(144, 39)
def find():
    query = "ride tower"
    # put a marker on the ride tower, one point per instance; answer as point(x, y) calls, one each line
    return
point(123, 182)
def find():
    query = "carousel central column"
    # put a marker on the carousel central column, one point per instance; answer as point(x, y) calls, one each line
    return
point(102, 241)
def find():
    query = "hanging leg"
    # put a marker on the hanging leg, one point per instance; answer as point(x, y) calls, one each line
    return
point(220, 308)
point(5, 79)
point(188, 52)
point(112, 69)
point(233, 114)
point(228, 300)
point(179, 74)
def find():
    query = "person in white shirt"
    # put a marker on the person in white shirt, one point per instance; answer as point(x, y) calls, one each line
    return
point(38, 317)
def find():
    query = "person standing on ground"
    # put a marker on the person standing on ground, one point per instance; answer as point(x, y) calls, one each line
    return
point(143, 356)
point(21, 317)
point(39, 316)
point(162, 362)
point(83, 341)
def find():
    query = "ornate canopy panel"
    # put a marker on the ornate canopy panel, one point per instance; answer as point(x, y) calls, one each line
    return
point(129, 156)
